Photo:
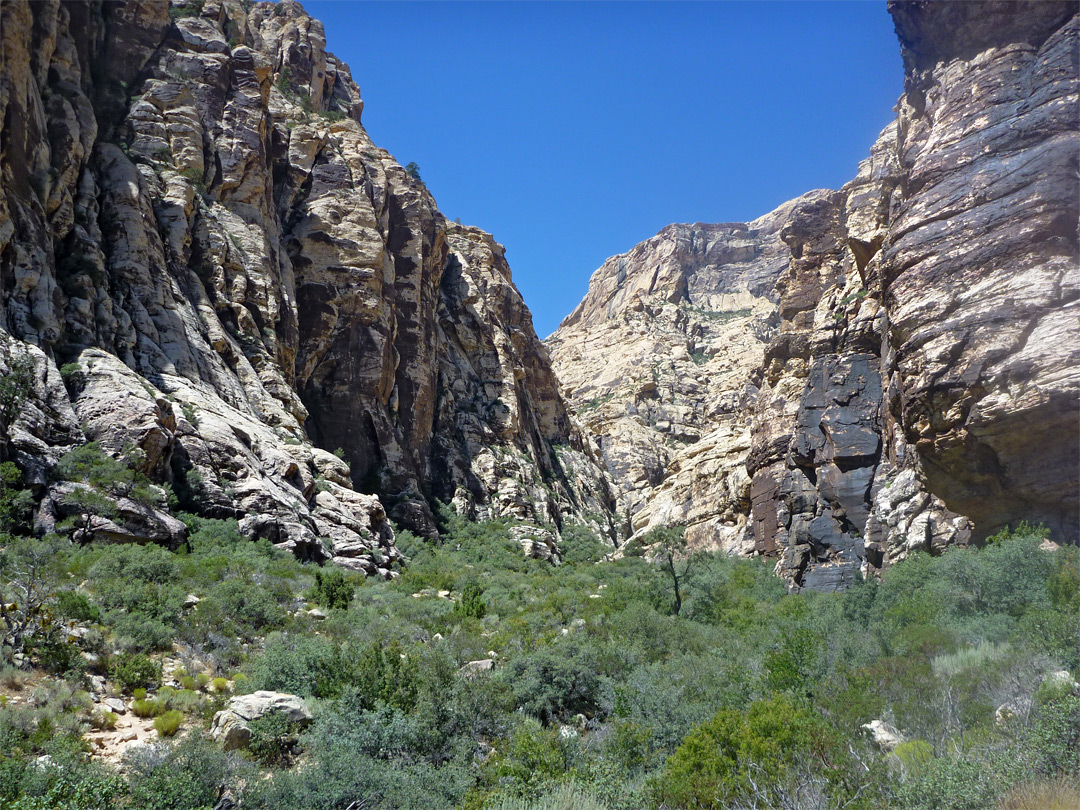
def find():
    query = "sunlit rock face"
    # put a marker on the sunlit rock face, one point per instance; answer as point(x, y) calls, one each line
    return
point(980, 267)
point(657, 361)
point(193, 215)
point(899, 361)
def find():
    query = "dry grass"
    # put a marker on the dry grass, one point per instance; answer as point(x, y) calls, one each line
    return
point(1051, 794)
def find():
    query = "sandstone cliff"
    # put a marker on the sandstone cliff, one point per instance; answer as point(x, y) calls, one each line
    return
point(906, 373)
point(195, 225)
point(657, 360)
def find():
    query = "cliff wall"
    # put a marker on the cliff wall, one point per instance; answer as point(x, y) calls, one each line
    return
point(906, 373)
point(195, 225)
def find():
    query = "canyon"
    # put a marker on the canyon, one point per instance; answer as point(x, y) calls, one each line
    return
point(209, 269)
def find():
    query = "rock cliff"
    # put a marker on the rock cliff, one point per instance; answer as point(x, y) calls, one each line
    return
point(905, 370)
point(196, 228)
point(657, 361)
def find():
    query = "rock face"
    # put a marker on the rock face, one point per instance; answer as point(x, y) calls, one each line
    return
point(656, 361)
point(911, 369)
point(231, 723)
point(988, 367)
point(236, 280)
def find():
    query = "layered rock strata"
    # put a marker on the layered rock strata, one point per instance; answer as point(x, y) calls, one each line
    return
point(657, 361)
point(919, 369)
point(236, 280)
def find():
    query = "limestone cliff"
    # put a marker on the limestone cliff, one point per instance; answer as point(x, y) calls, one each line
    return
point(908, 369)
point(196, 226)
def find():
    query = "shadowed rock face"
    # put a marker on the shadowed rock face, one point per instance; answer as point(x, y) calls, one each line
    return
point(914, 378)
point(194, 216)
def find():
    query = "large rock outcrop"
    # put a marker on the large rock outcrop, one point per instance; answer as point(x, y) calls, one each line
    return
point(195, 224)
point(980, 268)
point(919, 372)
point(657, 361)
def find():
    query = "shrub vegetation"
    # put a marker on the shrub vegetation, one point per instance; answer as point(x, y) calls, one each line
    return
point(652, 681)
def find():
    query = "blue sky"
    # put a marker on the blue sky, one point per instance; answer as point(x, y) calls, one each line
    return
point(573, 131)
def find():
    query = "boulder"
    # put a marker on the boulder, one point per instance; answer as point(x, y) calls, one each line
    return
point(230, 725)
point(474, 668)
point(883, 735)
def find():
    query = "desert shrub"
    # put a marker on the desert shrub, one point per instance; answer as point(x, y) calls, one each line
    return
point(193, 8)
point(339, 778)
point(105, 720)
point(147, 708)
point(77, 606)
point(332, 589)
point(168, 723)
point(717, 762)
point(220, 685)
point(384, 673)
point(136, 670)
point(796, 662)
point(471, 604)
point(309, 667)
point(54, 654)
point(68, 784)
point(580, 544)
point(272, 739)
point(914, 756)
point(556, 682)
point(243, 608)
point(950, 784)
point(137, 589)
point(89, 463)
point(1043, 794)
point(534, 756)
point(15, 502)
point(565, 796)
point(1053, 741)
point(180, 775)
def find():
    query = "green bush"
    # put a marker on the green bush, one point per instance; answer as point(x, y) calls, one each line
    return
point(332, 589)
point(914, 756)
point(77, 606)
point(306, 666)
point(556, 683)
point(180, 775)
point(272, 739)
point(1053, 740)
point(950, 784)
point(168, 724)
point(147, 708)
point(717, 761)
point(471, 605)
point(136, 670)
point(15, 502)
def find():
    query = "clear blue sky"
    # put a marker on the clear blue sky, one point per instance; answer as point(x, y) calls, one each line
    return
point(573, 131)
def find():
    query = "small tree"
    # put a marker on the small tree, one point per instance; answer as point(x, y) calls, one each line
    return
point(332, 590)
point(15, 386)
point(471, 604)
point(15, 502)
point(413, 171)
point(668, 544)
point(27, 587)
